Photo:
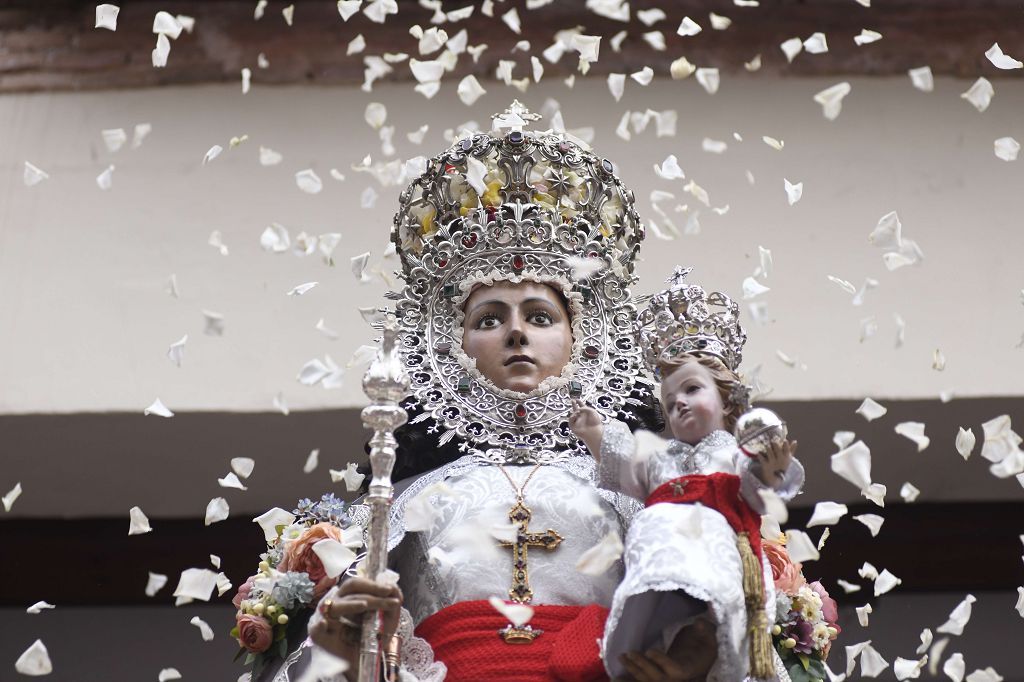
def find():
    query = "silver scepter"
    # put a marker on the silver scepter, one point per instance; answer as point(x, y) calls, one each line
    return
point(385, 384)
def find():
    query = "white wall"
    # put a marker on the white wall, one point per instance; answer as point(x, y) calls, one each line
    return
point(86, 321)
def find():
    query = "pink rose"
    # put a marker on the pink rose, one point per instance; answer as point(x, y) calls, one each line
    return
point(829, 610)
point(243, 592)
point(786, 574)
point(300, 557)
point(254, 633)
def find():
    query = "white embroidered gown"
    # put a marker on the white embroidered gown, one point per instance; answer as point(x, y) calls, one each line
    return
point(681, 560)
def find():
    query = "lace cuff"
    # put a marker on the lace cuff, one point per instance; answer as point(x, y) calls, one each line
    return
point(418, 664)
point(618, 448)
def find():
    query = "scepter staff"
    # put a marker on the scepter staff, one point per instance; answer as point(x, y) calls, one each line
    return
point(385, 383)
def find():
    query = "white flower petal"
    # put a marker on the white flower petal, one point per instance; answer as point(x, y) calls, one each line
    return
point(511, 19)
point(958, 617)
point(231, 481)
point(1000, 60)
point(161, 51)
point(39, 606)
point(375, 115)
point(669, 169)
point(816, 43)
point(301, 289)
point(908, 669)
point(138, 523)
point(1000, 441)
point(517, 614)
point(155, 583)
point(847, 586)
point(862, 614)
point(176, 351)
point(774, 507)
point(800, 547)
point(616, 85)
point(854, 465)
point(954, 667)
point(885, 582)
point(1007, 148)
point(831, 99)
point(752, 288)
point(271, 519)
point(909, 492)
point(876, 493)
point(168, 674)
point(681, 68)
point(34, 175)
point(335, 556)
point(872, 521)
point(915, 432)
point(643, 76)
point(12, 495)
point(1020, 601)
point(709, 79)
point(165, 23)
point(105, 180)
point(114, 138)
point(216, 511)
point(34, 661)
point(871, 410)
point(470, 90)
point(922, 79)
point(599, 558)
point(867, 36)
point(312, 459)
point(793, 192)
point(353, 479)
point(777, 145)
point(196, 583)
point(159, 409)
point(346, 8)
point(843, 284)
point(688, 27)
point(791, 48)
point(980, 94)
point(308, 181)
point(204, 628)
point(106, 16)
point(827, 514)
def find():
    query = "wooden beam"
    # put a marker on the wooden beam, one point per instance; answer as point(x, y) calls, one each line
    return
point(51, 45)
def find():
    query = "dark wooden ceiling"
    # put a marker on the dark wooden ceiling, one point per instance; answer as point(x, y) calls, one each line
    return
point(52, 45)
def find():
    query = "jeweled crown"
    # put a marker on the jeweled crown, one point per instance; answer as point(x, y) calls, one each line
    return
point(515, 190)
point(686, 319)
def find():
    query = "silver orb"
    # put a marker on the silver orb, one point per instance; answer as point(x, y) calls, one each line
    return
point(757, 429)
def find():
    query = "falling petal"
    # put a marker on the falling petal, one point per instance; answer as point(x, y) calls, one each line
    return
point(831, 99)
point(827, 514)
point(909, 492)
point(159, 409)
point(709, 79)
point(800, 547)
point(980, 94)
point(204, 628)
point(854, 465)
point(12, 495)
point(470, 90)
point(793, 192)
point(106, 16)
point(196, 583)
point(816, 43)
point(216, 510)
point(1000, 60)
point(867, 36)
point(922, 79)
point(335, 556)
point(915, 432)
point(599, 558)
point(308, 181)
point(885, 582)
point(688, 27)
point(872, 521)
point(138, 523)
point(1007, 148)
point(517, 614)
point(871, 410)
point(34, 661)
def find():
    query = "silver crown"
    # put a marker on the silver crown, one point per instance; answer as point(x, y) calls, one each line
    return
point(516, 206)
point(686, 319)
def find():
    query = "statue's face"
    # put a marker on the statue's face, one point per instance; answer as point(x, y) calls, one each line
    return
point(519, 334)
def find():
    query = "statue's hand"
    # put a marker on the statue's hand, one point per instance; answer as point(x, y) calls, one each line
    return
point(689, 659)
point(338, 624)
point(775, 462)
point(585, 422)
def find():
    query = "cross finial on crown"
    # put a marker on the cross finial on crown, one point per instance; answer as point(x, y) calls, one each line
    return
point(515, 117)
point(679, 273)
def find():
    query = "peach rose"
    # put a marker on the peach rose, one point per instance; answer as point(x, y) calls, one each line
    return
point(785, 573)
point(300, 557)
point(243, 592)
point(254, 633)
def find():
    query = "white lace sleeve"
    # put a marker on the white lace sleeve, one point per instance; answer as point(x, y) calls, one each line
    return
point(418, 664)
point(618, 469)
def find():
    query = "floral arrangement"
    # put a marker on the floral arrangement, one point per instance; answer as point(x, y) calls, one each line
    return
point(806, 617)
point(275, 604)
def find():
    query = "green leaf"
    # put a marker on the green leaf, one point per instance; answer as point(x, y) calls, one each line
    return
point(816, 669)
point(249, 658)
point(234, 632)
point(804, 660)
point(241, 650)
point(282, 648)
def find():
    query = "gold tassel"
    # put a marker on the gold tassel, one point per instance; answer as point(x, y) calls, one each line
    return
point(761, 665)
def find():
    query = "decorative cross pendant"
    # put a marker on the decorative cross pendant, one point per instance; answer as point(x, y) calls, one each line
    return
point(520, 514)
point(678, 487)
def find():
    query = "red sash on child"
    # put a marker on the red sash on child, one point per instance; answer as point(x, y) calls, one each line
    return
point(465, 638)
point(720, 492)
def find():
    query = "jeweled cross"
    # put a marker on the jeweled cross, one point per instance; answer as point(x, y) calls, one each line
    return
point(519, 515)
point(515, 117)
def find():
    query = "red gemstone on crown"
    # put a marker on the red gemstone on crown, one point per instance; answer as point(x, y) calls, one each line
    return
point(520, 411)
point(518, 263)
point(469, 241)
point(442, 262)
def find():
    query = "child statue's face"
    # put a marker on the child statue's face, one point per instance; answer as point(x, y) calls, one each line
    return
point(692, 402)
point(519, 334)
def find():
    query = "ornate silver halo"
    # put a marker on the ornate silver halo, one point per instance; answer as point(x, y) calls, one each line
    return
point(517, 207)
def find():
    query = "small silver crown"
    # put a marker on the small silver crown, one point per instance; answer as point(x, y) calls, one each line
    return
point(686, 319)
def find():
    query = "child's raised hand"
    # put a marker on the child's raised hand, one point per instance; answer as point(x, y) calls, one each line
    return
point(775, 462)
point(585, 422)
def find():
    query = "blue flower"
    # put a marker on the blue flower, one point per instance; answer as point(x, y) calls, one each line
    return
point(293, 589)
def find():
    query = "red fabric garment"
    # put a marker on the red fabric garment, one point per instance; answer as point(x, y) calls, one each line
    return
point(720, 492)
point(465, 638)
